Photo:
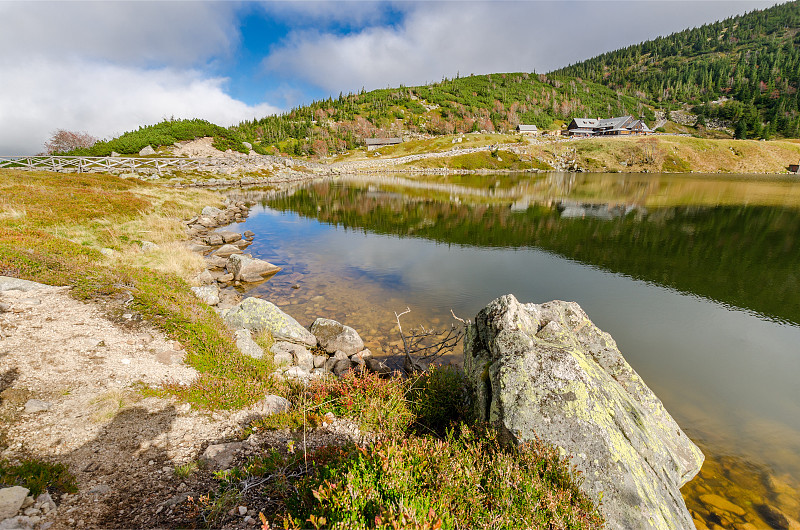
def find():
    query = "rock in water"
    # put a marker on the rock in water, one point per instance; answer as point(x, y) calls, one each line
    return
point(547, 371)
point(334, 337)
point(256, 314)
point(247, 269)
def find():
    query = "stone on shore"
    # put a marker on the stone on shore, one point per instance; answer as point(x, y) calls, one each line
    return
point(207, 293)
point(256, 314)
point(546, 371)
point(147, 151)
point(333, 337)
point(227, 250)
point(298, 354)
point(229, 236)
point(248, 269)
point(246, 344)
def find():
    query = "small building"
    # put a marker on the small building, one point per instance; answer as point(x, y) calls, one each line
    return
point(377, 143)
point(528, 130)
point(619, 126)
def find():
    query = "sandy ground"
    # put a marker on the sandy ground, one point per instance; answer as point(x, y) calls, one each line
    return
point(85, 364)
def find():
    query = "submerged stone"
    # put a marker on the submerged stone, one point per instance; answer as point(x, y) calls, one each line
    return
point(546, 371)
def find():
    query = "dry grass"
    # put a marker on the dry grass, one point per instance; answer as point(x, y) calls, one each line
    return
point(675, 154)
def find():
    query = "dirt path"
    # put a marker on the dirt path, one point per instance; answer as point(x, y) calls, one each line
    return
point(69, 380)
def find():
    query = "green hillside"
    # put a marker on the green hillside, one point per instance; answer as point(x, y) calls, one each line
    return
point(752, 61)
point(493, 102)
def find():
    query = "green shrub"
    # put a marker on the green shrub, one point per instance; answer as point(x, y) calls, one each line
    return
point(38, 477)
point(438, 398)
point(468, 480)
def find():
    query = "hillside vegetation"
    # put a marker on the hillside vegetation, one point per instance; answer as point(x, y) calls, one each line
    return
point(744, 69)
point(165, 133)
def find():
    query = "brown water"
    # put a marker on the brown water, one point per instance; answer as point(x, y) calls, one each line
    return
point(696, 277)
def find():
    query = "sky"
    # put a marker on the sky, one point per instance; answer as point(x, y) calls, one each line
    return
point(106, 67)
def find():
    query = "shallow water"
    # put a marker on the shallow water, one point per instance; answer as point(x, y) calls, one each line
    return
point(697, 278)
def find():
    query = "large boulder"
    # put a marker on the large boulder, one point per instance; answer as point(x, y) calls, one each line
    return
point(248, 269)
point(256, 314)
point(333, 337)
point(546, 371)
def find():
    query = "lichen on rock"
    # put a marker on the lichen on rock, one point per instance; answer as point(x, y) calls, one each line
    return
point(546, 371)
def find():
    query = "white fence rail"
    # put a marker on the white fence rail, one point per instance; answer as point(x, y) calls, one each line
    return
point(81, 164)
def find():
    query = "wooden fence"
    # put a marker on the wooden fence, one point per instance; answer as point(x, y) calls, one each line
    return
point(82, 164)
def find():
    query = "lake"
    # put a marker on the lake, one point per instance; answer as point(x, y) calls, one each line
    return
point(697, 278)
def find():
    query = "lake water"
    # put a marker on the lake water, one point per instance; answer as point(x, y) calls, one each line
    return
point(696, 277)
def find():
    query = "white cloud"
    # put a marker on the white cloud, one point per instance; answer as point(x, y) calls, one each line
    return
point(105, 100)
point(134, 33)
point(444, 38)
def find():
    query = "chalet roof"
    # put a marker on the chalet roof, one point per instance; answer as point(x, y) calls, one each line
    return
point(382, 141)
point(531, 128)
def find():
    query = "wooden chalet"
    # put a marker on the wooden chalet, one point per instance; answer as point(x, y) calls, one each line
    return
point(621, 126)
point(377, 143)
point(531, 130)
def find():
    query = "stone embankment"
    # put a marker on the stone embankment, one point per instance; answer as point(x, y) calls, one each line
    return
point(329, 347)
point(547, 372)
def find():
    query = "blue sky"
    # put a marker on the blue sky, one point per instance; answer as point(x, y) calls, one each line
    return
point(108, 67)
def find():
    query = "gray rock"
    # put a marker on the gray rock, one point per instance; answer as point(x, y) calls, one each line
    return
point(147, 151)
point(330, 363)
point(319, 360)
point(107, 252)
point(249, 234)
point(114, 154)
point(221, 456)
point(100, 489)
point(227, 250)
point(207, 293)
point(11, 500)
point(247, 269)
point(229, 236)
point(214, 239)
point(37, 405)
point(295, 372)
point(207, 222)
point(20, 522)
point(246, 344)
point(271, 404)
point(379, 367)
point(361, 357)
point(4, 307)
point(247, 145)
point(147, 246)
point(334, 336)
point(197, 247)
point(216, 262)
point(204, 278)
point(8, 283)
point(299, 354)
point(341, 367)
point(210, 211)
point(225, 278)
point(546, 371)
point(256, 314)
